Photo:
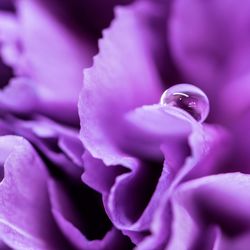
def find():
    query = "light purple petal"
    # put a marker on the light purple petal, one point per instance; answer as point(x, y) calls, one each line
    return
point(98, 176)
point(19, 96)
point(146, 128)
point(42, 57)
point(123, 77)
point(9, 35)
point(136, 195)
point(48, 50)
point(25, 217)
point(208, 147)
point(58, 144)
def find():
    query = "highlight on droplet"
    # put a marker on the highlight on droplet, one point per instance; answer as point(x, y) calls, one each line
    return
point(189, 98)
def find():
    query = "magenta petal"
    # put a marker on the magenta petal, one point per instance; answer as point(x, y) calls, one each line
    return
point(123, 77)
point(25, 217)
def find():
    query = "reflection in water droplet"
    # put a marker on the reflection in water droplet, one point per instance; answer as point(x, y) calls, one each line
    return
point(188, 98)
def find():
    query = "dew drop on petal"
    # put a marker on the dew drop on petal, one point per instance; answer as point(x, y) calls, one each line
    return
point(188, 98)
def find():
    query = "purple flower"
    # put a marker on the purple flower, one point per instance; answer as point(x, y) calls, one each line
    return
point(145, 150)
point(145, 171)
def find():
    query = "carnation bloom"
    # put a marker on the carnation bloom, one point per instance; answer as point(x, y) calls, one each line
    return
point(148, 172)
point(124, 127)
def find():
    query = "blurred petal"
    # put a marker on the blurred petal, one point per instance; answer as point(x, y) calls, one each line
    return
point(50, 48)
point(58, 144)
point(223, 242)
point(206, 37)
point(6, 5)
point(240, 158)
point(88, 17)
point(4, 247)
point(19, 96)
point(25, 217)
point(41, 58)
point(9, 35)
point(210, 44)
point(221, 200)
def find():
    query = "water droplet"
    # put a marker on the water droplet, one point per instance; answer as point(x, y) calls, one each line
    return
point(188, 98)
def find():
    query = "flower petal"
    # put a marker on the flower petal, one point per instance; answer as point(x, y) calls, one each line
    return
point(87, 228)
point(98, 176)
point(150, 128)
point(58, 144)
point(25, 218)
point(221, 200)
point(123, 77)
point(208, 150)
point(41, 58)
point(210, 44)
